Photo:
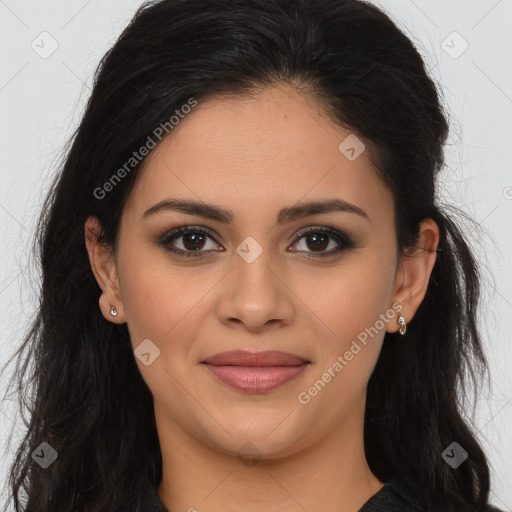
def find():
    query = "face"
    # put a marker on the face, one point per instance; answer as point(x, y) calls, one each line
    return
point(260, 281)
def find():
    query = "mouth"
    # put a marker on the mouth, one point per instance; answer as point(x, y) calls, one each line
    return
point(255, 371)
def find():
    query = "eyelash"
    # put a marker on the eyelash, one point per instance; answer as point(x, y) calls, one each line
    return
point(341, 238)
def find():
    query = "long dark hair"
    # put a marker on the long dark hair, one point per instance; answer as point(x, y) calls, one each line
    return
point(76, 372)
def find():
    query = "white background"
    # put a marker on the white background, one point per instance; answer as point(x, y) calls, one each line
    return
point(41, 101)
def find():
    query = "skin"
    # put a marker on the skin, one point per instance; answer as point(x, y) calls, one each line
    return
point(254, 156)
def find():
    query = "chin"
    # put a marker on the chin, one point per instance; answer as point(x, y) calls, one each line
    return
point(259, 441)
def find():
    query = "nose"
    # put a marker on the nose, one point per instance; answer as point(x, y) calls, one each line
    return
point(255, 294)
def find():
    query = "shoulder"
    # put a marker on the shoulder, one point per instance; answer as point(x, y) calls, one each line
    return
point(142, 499)
point(403, 495)
point(400, 495)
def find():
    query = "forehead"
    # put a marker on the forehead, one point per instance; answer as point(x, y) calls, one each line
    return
point(252, 153)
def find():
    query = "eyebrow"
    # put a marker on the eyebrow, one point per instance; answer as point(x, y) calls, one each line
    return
point(289, 214)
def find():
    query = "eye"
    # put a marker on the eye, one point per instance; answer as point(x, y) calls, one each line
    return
point(192, 243)
point(316, 239)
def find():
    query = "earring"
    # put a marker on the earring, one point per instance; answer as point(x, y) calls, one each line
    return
point(402, 324)
point(113, 311)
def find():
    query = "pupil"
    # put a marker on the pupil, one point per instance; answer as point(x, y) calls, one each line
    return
point(318, 244)
point(192, 236)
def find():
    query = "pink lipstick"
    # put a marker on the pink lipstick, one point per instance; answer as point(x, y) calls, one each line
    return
point(255, 371)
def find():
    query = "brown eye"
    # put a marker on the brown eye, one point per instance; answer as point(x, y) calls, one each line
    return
point(193, 243)
point(318, 240)
point(190, 241)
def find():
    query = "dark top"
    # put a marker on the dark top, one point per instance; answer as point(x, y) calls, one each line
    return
point(394, 496)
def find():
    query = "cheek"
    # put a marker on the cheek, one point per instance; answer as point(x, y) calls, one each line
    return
point(157, 298)
point(351, 308)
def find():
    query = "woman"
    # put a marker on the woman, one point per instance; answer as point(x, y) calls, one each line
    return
point(251, 299)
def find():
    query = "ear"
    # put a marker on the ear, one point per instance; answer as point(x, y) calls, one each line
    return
point(413, 274)
point(101, 258)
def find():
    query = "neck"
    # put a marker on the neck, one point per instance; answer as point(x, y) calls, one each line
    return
point(331, 475)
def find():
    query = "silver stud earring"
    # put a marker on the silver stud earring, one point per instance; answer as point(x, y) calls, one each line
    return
point(113, 311)
point(402, 324)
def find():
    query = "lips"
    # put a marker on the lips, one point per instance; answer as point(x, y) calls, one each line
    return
point(255, 372)
point(244, 358)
